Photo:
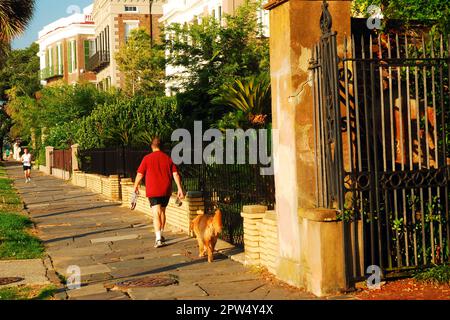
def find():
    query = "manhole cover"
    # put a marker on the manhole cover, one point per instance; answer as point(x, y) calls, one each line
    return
point(148, 282)
point(9, 280)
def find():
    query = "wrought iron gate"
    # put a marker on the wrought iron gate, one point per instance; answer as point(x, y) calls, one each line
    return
point(382, 144)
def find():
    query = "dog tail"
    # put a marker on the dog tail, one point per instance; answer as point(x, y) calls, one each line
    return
point(217, 221)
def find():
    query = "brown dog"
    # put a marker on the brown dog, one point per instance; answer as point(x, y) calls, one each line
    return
point(207, 229)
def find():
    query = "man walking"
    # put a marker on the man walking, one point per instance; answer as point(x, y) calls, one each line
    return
point(158, 169)
point(26, 161)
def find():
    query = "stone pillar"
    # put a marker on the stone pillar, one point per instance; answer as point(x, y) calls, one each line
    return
point(294, 30)
point(253, 216)
point(48, 159)
point(114, 180)
point(126, 187)
point(75, 166)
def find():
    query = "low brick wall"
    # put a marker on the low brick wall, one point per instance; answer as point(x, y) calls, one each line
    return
point(107, 186)
point(61, 174)
point(177, 217)
point(260, 236)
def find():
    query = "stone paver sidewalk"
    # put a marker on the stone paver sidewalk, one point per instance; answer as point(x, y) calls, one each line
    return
point(110, 244)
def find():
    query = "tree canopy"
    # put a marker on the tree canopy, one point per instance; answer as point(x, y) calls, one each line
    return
point(211, 54)
point(142, 64)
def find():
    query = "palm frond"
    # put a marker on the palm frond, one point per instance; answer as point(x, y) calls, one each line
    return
point(14, 17)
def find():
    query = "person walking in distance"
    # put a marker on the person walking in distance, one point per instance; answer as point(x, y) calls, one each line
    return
point(26, 161)
point(158, 170)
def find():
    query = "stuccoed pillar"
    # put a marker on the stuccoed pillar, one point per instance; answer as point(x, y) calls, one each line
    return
point(48, 159)
point(294, 30)
point(75, 166)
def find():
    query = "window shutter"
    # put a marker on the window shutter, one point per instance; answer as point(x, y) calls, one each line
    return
point(86, 52)
point(74, 44)
point(69, 55)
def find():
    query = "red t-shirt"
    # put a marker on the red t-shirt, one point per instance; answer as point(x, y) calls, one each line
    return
point(158, 169)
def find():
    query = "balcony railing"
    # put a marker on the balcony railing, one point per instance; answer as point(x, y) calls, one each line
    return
point(98, 61)
point(52, 72)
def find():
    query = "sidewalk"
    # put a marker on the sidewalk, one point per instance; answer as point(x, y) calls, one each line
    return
point(112, 244)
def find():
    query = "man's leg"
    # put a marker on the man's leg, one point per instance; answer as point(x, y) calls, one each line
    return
point(157, 220)
point(163, 222)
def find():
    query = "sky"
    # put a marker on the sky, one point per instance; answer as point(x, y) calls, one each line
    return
point(46, 12)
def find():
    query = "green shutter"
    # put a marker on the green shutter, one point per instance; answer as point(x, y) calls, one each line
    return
point(86, 52)
point(60, 58)
point(69, 55)
point(74, 44)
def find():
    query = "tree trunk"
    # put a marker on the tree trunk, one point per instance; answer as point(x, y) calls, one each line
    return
point(1, 148)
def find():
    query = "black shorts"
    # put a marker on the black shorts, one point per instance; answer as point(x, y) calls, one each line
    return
point(25, 168)
point(163, 201)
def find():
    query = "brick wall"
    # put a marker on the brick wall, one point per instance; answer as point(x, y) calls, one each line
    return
point(179, 218)
point(260, 237)
point(107, 186)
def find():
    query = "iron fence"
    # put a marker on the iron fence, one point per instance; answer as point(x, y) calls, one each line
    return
point(228, 187)
point(381, 112)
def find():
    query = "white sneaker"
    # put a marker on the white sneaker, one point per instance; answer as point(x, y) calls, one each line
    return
point(29, 179)
point(158, 244)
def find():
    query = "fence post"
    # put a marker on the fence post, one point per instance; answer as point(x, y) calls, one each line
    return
point(75, 166)
point(49, 159)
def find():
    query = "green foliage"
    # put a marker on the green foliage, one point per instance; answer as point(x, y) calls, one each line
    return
point(63, 136)
point(20, 71)
point(439, 274)
point(251, 101)
point(142, 63)
point(433, 12)
point(128, 122)
point(209, 56)
point(18, 82)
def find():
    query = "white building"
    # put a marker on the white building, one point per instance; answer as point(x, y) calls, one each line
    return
point(65, 46)
point(187, 11)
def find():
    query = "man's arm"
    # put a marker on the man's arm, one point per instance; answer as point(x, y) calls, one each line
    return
point(177, 178)
point(137, 182)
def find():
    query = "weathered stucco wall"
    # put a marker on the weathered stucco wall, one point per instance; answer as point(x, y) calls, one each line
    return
point(295, 29)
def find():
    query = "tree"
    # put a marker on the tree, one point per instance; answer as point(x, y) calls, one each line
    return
point(128, 122)
point(249, 99)
point(433, 12)
point(19, 80)
point(142, 65)
point(5, 125)
point(14, 17)
point(210, 55)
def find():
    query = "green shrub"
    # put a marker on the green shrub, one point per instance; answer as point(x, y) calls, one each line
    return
point(439, 274)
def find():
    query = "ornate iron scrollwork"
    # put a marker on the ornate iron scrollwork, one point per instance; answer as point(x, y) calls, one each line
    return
point(326, 21)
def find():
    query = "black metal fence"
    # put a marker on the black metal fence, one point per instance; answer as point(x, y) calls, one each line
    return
point(382, 111)
point(229, 187)
point(112, 161)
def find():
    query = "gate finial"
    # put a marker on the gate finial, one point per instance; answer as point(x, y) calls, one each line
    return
point(325, 20)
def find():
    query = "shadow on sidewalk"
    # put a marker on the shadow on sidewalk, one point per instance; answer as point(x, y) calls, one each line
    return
point(75, 211)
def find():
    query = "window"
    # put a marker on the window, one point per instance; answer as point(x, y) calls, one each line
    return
point(129, 26)
point(131, 9)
